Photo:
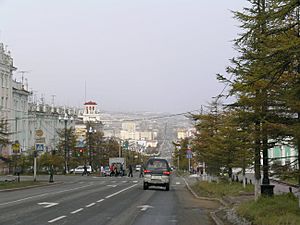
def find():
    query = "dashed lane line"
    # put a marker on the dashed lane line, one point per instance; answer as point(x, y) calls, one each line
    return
point(56, 219)
point(42, 195)
point(90, 205)
point(77, 211)
point(109, 196)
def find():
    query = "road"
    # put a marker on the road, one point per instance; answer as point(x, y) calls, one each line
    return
point(104, 200)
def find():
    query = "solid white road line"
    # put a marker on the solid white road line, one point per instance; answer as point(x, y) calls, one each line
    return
point(90, 205)
point(77, 211)
point(56, 219)
point(109, 196)
point(101, 200)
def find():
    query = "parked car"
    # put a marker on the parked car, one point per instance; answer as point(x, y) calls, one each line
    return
point(157, 173)
point(80, 169)
point(138, 168)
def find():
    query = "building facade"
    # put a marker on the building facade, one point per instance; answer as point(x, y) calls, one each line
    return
point(6, 98)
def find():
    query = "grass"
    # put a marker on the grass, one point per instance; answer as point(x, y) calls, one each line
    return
point(217, 190)
point(278, 210)
point(10, 185)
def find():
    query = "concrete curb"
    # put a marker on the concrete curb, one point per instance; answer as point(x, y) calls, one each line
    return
point(213, 214)
point(29, 187)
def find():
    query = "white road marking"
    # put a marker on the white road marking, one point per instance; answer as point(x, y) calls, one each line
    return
point(41, 195)
point(56, 219)
point(101, 200)
point(177, 183)
point(77, 211)
point(109, 196)
point(90, 205)
point(135, 181)
point(47, 204)
point(145, 207)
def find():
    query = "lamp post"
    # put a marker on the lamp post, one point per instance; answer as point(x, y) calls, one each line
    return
point(91, 131)
point(66, 119)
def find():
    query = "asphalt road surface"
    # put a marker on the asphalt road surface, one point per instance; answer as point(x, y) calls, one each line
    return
point(104, 200)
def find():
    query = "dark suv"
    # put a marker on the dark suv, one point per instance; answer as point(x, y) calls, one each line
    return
point(157, 173)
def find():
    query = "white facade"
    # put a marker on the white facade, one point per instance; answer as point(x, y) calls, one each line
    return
point(44, 123)
point(19, 123)
point(6, 100)
point(90, 113)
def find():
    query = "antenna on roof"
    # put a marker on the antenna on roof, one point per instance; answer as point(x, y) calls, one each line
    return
point(85, 91)
point(23, 72)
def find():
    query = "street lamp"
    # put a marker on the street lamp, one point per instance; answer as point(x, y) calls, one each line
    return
point(66, 119)
point(91, 131)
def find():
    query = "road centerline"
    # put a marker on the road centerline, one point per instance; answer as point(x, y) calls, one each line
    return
point(56, 219)
point(109, 196)
point(77, 211)
point(90, 205)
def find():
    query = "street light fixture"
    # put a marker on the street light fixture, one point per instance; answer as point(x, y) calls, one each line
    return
point(66, 119)
point(91, 131)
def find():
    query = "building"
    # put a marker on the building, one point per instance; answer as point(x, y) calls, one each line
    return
point(43, 123)
point(19, 122)
point(90, 113)
point(6, 97)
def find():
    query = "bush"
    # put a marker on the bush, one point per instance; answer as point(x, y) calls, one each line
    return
point(221, 189)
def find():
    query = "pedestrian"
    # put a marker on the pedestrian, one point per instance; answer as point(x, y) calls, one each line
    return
point(122, 170)
point(142, 171)
point(130, 171)
point(84, 170)
point(51, 172)
point(102, 171)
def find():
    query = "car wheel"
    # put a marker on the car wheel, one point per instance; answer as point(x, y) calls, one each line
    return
point(145, 186)
point(167, 187)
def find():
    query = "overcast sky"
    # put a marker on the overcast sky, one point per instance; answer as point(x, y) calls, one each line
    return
point(133, 55)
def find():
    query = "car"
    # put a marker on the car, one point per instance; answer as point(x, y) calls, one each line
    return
point(138, 168)
point(157, 172)
point(80, 169)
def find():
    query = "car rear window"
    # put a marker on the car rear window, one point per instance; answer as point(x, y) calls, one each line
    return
point(157, 164)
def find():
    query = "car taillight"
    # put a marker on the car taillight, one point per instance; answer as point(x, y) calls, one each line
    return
point(147, 171)
point(167, 173)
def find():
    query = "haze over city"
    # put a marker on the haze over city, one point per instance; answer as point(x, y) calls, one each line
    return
point(157, 56)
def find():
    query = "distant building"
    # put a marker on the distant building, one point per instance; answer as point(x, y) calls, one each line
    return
point(90, 113)
point(185, 133)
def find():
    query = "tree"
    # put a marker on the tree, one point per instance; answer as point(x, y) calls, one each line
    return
point(66, 145)
point(222, 141)
point(3, 133)
point(180, 152)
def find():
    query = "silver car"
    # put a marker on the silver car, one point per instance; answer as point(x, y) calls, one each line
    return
point(157, 173)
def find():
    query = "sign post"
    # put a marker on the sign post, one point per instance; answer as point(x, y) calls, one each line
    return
point(189, 155)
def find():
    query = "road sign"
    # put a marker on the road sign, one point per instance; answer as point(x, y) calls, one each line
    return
point(16, 148)
point(39, 147)
point(189, 154)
